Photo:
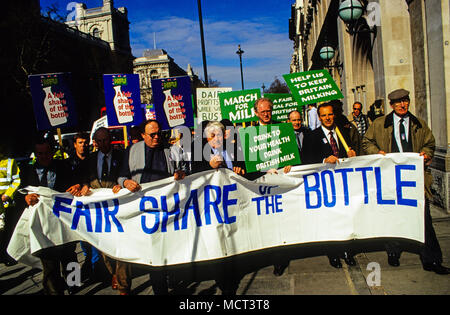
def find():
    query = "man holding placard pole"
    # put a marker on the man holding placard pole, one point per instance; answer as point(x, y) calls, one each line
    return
point(328, 144)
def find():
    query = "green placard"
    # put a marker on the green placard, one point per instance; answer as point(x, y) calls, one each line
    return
point(238, 106)
point(283, 104)
point(269, 147)
point(312, 87)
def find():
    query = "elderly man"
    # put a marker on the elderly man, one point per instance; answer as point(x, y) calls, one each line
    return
point(102, 171)
point(401, 131)
point(214, 154)
point(263, 110)
point(148, 161)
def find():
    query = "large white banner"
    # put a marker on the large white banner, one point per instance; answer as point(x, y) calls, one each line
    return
point(217, 214)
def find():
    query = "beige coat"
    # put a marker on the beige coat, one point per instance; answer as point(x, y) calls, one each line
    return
point(379, 137)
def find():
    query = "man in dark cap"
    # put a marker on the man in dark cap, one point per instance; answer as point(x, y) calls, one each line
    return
point(401, 131)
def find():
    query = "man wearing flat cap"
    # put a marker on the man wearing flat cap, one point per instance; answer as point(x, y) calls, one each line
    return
point(401, 131)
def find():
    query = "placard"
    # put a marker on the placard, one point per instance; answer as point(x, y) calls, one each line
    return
point(208, 103)
point(173, 102)
point(269, 147)
point(312, 87)
point(283, 104)
point(238, 106)
point(123, 99)
point(53, 102)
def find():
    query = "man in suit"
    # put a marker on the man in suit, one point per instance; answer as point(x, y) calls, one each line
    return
point(215, 154)
point(54, 174)
point(401, 131)
point(322, 145)
point(102, 172)
point(148, 161)
point(295, 118)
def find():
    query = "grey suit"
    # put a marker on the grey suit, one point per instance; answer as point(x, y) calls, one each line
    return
point(136, 161)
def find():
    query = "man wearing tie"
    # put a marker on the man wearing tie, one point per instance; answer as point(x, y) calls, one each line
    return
point(148, 161)
point(215, 156)
point(401, 131)
point(295, 118)
point(103, 172)
point(322, 145)
point(214, 153)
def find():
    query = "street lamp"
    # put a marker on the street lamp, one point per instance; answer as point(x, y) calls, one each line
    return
point(200, 19)
point(263, 88)
point(326, 53)
point(240, 52)
point(350, 11)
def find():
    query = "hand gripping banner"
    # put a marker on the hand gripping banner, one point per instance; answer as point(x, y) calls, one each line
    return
point(217, 214)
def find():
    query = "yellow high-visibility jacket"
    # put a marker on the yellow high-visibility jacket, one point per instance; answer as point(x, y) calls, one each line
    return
point(9, 177)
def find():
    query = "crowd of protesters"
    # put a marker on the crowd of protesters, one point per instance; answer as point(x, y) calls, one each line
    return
point(155, 154)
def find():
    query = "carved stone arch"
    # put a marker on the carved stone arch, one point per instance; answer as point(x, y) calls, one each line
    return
point(96, 30)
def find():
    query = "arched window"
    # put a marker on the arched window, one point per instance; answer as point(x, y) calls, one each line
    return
point(154, 74)
point(96, 32)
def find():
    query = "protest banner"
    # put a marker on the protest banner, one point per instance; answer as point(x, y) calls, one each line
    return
point(312, 87)
point(53, 102)
point(218, 214)
point(208, 103)
point(238, 106)
point(123, 99)
point(269, 147)
point(172, 98)
point(283, 104)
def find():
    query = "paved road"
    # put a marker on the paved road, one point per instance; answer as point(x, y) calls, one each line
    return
point(306, 276)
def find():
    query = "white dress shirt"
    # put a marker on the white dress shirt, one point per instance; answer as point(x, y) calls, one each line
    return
point(327, 134)
point(397, 130)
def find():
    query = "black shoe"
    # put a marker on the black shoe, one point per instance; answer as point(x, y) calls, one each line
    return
point(349, 259)
point(335, 262)
point(278, 270)
point(393, 260)
point(437, 268)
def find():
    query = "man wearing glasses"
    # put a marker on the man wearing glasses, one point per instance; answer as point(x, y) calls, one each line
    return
point(401, 131)
point(148, 161)
point(358, 119)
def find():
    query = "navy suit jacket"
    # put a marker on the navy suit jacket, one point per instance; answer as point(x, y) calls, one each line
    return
point(316, 147)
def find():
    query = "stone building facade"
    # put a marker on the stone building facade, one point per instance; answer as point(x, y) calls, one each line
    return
point(105, 22)
point(157, 64)
point(395, 44)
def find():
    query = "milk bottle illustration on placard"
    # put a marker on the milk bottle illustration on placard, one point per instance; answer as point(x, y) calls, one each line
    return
point(172, 109)
point(54, 107)
point(122, 106)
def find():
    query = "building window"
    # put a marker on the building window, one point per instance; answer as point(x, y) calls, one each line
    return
point(154, 74)
point(96, 33)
